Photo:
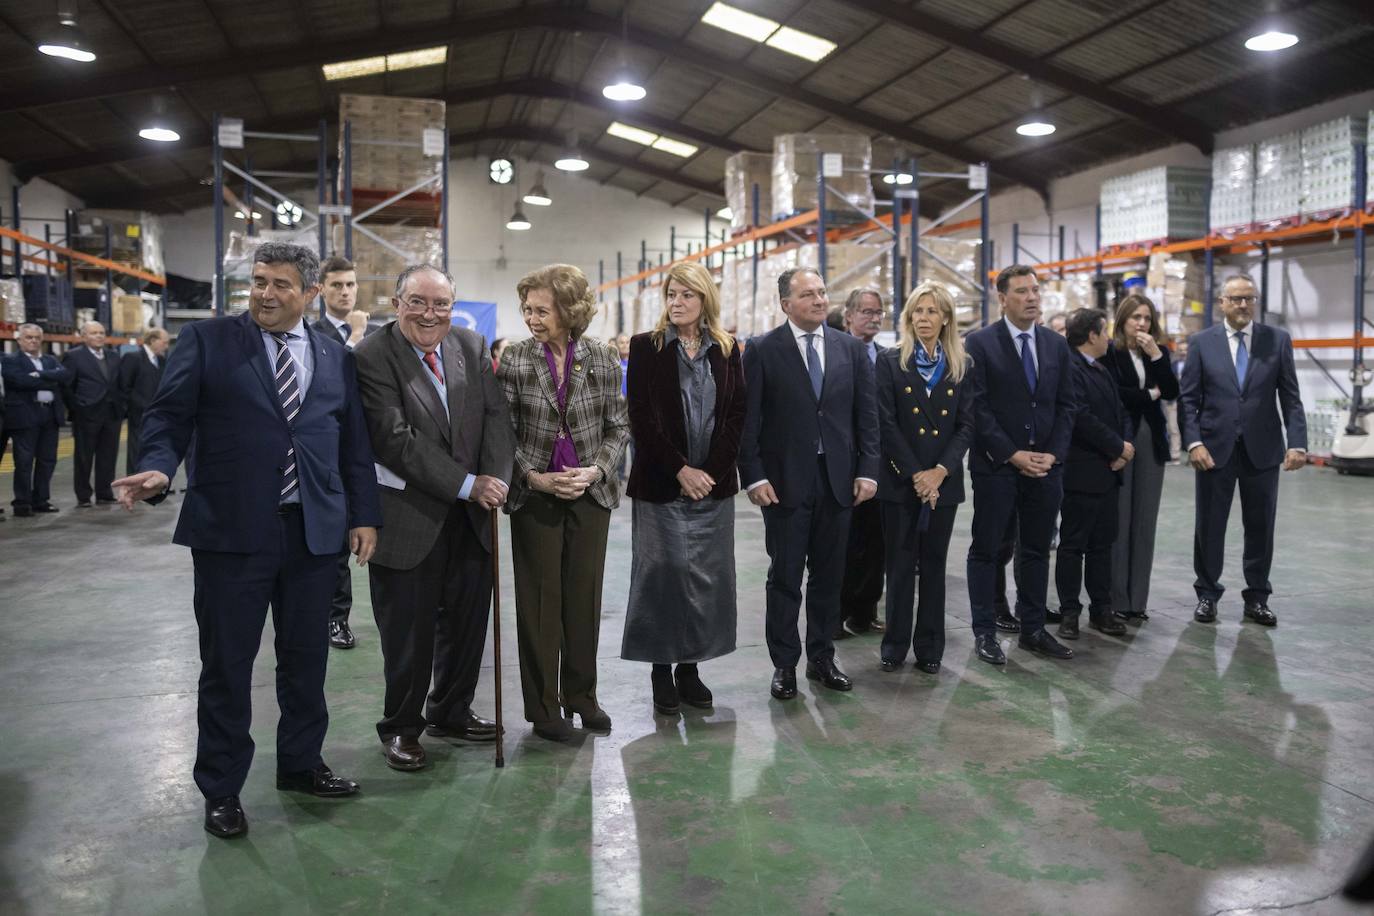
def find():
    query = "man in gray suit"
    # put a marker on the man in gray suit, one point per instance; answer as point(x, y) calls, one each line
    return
point(445, 446)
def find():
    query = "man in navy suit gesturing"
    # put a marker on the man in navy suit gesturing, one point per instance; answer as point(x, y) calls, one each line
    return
point(280, 479)
point(808, 454)
point(1023, 416)
point(1228, 416)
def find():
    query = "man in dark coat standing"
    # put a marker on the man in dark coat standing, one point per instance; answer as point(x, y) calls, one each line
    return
point(139, 374)
point(97, 412)
point(33, 411)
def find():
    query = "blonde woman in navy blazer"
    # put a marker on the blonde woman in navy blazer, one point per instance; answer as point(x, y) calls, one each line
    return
point(925, 415)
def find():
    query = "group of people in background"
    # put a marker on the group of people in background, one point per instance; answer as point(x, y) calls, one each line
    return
point(306, 443)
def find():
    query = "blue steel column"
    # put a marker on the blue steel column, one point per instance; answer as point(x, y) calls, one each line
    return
point(109, 274)
point(248, 197)
point(1016, 243)
point(14, 222)
point(348, 188)
point(218, 205)
point(706, 218)
point(1061, 251)
point(1097, 239)
point(619, 295)
point(754, 287)
point(985, 252)
point(443, 202)
point(1357, 366)
point(672, 243)
point(1264, 281)
point(69, 221)
point(898, 278)
point(914, 230)
point(322, 176)
point(820, 211)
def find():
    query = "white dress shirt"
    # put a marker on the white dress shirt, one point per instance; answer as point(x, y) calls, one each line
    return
point(1233, 344)
point(338, 326)
point(1138, 361)
point(1017, 342)
point(44, 395)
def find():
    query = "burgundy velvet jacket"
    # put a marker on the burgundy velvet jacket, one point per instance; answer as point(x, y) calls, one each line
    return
point(654, 399)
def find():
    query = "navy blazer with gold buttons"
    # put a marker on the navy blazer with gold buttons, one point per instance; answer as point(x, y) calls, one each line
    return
point(921, 429)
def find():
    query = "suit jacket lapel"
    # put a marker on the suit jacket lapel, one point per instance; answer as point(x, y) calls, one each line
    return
point(541, 372)
point(578, 376)
point(1221, 344)
point(835, 356)
point(793, 355)
point(414, 372)
point(455, 380)
point(1258, 351)
point(251, 339)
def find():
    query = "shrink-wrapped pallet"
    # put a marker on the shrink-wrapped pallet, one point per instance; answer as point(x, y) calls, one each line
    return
point(743, 171)
point(796, 162)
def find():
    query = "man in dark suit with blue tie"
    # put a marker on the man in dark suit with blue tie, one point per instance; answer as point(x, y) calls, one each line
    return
point(33, 412)
point(1237, 376)
point(808, 454)
point(280, 481)
point(1024, 411)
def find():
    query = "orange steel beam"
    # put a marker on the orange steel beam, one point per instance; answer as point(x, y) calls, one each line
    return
point(82, 256)
point(1332, 343)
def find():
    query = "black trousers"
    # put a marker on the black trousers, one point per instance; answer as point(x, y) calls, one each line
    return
point(232, 594)
point(96, 430)
point(342, 603)
point(806, 539)
point(907, 547)
point(863, 565)
point(1035, 503)
point(1087, 532)
point(35, 457)
point(1007, 553)
point(1259, 500)
point(131, 444)
point(433, 625)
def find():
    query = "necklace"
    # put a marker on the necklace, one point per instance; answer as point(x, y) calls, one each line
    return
point(690, 343)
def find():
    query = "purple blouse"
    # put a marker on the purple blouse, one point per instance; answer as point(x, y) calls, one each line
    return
point(564, 452)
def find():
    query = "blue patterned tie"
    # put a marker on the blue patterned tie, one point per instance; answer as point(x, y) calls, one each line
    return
point(1242, 358)
point(1027, 359)
point(813, 365)
point(289, 391)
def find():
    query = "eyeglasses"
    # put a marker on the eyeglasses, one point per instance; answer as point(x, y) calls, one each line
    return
point(1238, 300)
point(871, 313)
point(420, 306)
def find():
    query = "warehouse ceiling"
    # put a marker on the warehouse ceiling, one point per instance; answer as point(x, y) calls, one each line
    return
point(944, 81)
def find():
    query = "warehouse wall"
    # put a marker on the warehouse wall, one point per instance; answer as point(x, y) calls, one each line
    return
point(586, 223)
point(40, 204)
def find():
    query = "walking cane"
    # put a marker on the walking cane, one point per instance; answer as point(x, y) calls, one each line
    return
point(496, 631)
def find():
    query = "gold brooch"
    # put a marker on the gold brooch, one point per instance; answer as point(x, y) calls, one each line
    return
point(577, 367)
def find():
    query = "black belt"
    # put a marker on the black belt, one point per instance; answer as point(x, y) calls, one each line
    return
point(288, 508)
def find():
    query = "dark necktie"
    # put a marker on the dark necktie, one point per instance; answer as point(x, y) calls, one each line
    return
point(289, 391)
point(1242, 358)
point(813, 365)
point(344, 332)
point(1027, 359)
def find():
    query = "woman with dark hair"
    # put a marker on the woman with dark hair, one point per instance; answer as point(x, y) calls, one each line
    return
point(686, 405)
point(564, 395)
point(925, 414)
point(1144, 378)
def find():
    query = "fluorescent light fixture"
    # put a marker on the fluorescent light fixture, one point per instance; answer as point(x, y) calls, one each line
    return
point(767, 31)
point(160, 134)
point(725, 213)
point(624, 90)
point(388, 63)
point(517, 221)
point(897, 178)
point(732, 19)
point(538, 195)
point(802, 44)
point(1035, 129)
point(675, 147)
point(633, 134)
point(572, 161)
point(1271, 40)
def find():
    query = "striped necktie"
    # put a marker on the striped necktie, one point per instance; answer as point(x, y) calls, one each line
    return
point(289, 392)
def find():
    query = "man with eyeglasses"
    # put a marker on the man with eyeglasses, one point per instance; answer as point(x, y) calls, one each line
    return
point(1236, 379)
point(863, 565)
point(445, 449)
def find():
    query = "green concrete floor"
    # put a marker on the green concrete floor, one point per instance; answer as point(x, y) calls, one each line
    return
point(1182, 769)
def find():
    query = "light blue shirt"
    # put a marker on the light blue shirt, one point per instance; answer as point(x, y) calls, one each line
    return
point(1088, 359)
point(299, 347)
point(441, 386)
point(1016, 341)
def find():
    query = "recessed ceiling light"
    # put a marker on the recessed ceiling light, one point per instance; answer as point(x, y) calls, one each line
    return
point(1035, 129)
point(897, 178)
point(803, 44)
point(767, 31)
point(1271, 40)
point(633, 134)
point(624, 90)
point(387, 63)
point(675, 147)
point(160, 134)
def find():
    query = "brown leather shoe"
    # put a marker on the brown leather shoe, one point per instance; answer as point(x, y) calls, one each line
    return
point(404, 753)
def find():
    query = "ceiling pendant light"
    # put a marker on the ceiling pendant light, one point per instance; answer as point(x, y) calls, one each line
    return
point(1035, 128)
point(624, 89)
point(67, 42)
point(517, 221)
point(902, 178)
point(1271, 40)
point(160, 134)
point(538, 196)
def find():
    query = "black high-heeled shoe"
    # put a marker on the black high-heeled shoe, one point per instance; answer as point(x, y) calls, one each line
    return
point(690, 688)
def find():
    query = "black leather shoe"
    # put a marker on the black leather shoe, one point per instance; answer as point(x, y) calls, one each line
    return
point(1260, 614)
point(928, 667)
point(340, 635)
point(83, 504)
point(877, 626)
point(22, 511)
point(1133, 616)
point(690, 688)
point(594, 719)
point(320, 782)
point(887, 664)
point(1007, 622)
point(1053, 616)
point(852, 628)
point(554, 730)
point(45, 507)
point(224, 817)
point(1107, 624)
point(404, 753)
point(784, 685)
point(1042, 643)
point(106, 501)
point(666, 700)
point(1206, 611)
point(1068, 626)
point(472, 728)
point(989, 650)
point(828, 674)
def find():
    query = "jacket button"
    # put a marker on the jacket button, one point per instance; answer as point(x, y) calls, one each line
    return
point(915, 410)
point(950, 392)
point(944, 413)
point(907, 390)
point(820, 413)
point(1032, 403)
point(922, 430)
point(935, 432)
point(1027, 426)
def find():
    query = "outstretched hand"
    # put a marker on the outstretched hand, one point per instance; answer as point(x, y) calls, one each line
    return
point(140, 486)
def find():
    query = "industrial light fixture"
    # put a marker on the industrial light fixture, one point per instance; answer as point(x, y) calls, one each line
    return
point(767, 31)
point(624, 89)
point(501, 171)
point(160, 134)
point(288, 213)
point(517, 221)
point(572, 161)
point(725, 213)
point(67, 42)
point(1271, 40)
point(901, 178)
point(1035, 128)
point(538, 195)
point(239, 214)
point(651, 140)
point(385, 63)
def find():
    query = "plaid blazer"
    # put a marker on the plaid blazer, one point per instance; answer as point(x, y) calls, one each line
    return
point(595, 414)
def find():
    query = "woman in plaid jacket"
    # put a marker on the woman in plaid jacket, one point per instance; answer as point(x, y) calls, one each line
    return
point(564, 395)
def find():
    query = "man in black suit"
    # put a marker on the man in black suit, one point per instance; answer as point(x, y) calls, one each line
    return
point(93, 399)
point(1237, 376)
point(33, 384)
point(445, 448)
point(863, 564)
point(1099, 448)
point(1024, 408)
point(139, 374)
point(339, 292)
point(808, 454)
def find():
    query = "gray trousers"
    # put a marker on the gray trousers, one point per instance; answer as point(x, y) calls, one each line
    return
point(1133, 555)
